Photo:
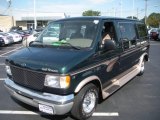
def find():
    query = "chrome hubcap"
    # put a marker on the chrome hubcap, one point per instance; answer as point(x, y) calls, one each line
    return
point(89, 102)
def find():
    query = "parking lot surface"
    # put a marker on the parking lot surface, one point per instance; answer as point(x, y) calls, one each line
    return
point(137, 100)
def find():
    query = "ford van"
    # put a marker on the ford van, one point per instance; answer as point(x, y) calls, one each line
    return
point(77, 62)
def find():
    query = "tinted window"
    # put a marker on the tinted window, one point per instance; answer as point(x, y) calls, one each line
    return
point(155, 30)
point(108, 31)
point(69, 34)
point(142, 31)
point(128, 34)
point(127, 31)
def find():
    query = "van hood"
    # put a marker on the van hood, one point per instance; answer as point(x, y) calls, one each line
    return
point(54, 60)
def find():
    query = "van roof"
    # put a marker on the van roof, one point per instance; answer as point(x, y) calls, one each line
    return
point(98, 18)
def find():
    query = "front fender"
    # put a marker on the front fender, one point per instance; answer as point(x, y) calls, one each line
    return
point(86, 81)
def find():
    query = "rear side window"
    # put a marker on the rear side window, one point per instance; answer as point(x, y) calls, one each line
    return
point(128, 34)
point(127, 31)
point(142, 31)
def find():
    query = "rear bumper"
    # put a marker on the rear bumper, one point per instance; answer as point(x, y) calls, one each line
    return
point(7, 42)
point(154, 37)
point(17, 39)
point(60, 104)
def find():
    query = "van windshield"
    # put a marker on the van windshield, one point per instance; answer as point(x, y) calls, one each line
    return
point(68, 34)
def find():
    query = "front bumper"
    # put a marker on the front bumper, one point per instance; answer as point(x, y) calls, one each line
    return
point(60, 104)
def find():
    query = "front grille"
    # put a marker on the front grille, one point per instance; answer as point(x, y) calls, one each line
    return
point(28, 78)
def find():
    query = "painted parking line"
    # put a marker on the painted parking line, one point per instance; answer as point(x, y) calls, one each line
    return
point(106, 114)
point(18, 112)
point(11, 51)
point(98, 114)
point(3, 51)
point(6, 51)
point(1, 79)
point(12, 47)
point(3, 56)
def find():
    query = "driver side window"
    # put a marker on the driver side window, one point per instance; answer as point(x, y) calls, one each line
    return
point(108, 32)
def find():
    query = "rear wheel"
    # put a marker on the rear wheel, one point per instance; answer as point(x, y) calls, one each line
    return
point(85, 102)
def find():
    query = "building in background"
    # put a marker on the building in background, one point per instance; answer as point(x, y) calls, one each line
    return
point(26, 21)
point(6, 22)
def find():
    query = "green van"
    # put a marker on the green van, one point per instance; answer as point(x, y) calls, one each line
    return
point(76, 62)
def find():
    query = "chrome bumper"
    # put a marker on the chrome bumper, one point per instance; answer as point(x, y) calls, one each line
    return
point(60, 104)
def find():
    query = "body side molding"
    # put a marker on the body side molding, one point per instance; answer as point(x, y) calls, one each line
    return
point(123, 78)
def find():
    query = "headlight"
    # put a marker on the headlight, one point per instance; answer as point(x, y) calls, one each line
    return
point(57, 81)
point(8, 70)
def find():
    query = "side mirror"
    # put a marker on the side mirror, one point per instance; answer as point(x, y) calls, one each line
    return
point(129, 43)
point(125, 42)
point(109, 45)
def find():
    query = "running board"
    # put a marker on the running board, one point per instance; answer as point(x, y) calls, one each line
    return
point(120, 80)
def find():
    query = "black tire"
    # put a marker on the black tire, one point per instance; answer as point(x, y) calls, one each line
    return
point(142, 68)
point(78, 110)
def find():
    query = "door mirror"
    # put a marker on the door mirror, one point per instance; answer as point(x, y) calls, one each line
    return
point(125, 42)
point(128, 43)
point(109, 45)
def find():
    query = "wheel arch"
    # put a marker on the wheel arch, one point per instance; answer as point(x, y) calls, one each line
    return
point(144, 56)
point(92, 79)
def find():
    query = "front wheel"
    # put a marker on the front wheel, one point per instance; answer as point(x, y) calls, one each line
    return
point(85, 102)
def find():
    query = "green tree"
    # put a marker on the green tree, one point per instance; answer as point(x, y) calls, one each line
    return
point(153, 20)
point(143, 20)
point(91, 13)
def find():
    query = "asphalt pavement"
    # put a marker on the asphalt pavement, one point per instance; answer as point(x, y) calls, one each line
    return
point(137, 100)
